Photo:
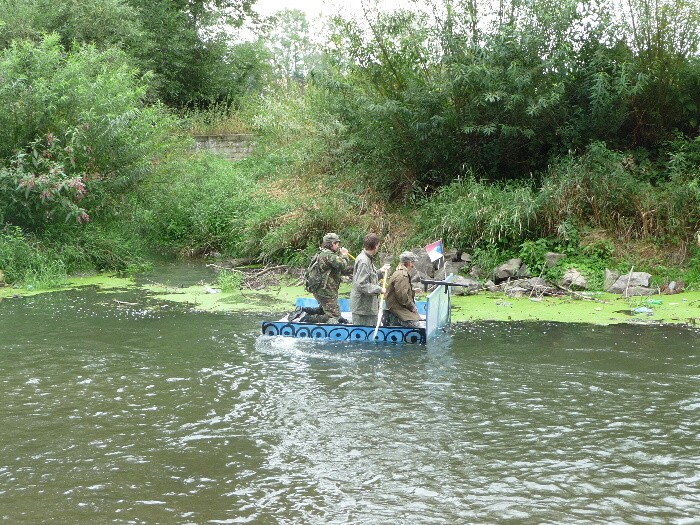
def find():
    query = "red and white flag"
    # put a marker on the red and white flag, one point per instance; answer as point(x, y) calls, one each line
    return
point(434, 250)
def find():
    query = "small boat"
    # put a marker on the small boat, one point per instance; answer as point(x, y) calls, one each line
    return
point(435, 311)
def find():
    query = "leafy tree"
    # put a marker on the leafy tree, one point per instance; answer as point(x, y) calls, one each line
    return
point(665, 39)
point(103, 23)
point(292, 53)
point(501, 93)
point(185, 44)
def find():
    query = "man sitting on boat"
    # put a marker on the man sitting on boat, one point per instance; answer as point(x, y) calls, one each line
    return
point(331, 262)
point(400, 309)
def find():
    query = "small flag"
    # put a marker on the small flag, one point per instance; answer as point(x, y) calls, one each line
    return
point(434, 250)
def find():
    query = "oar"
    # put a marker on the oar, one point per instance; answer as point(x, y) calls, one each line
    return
point(381, 307)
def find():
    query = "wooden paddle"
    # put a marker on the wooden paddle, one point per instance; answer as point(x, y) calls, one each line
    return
point(381, 306)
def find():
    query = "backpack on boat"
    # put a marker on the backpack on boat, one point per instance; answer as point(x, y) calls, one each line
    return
point(313, 278)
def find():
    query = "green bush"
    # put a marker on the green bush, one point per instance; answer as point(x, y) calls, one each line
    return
point(39, 186)
point(74, 132)
point(199, 205)
point(532, 254)
point(230, 280)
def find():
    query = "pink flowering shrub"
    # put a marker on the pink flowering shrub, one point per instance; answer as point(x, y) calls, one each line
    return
point(76, 134)
point(42, 185)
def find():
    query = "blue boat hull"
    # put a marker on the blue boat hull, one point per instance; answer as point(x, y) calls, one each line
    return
point(344, 332)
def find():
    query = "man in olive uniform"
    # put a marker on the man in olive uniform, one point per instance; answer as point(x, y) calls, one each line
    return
point(333, 261)
point(366, 291)
point(400, 297)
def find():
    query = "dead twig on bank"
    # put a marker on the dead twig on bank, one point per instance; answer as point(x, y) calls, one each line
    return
point(579, 295)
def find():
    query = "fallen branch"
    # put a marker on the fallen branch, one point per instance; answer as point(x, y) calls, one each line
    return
point(579, 295)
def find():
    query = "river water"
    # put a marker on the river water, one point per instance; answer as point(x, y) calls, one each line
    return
point(115, 409)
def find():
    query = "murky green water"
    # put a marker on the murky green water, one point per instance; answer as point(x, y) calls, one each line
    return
point(112, 412)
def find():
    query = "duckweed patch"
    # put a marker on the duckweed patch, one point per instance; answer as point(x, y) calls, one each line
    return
point(598, 308)
point(104, 282)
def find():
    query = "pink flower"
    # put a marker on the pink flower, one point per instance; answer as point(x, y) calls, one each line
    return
point(83, 217)
point(78, 185)
point(27, 182)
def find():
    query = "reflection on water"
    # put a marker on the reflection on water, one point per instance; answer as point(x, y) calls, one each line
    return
point(117, 410)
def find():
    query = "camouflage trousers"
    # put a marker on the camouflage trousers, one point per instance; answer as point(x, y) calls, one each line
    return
point(328, 300)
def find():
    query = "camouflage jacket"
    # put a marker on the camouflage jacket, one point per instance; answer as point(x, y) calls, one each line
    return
point(332, 266)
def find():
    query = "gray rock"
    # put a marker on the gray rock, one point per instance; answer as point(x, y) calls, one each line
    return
point(491, 286)
point(573, 279)
point(537, 284)
point(532, 286)
point(640, 290)
point(461, 256)
point(449, 267)
point(469, 285)
point(610, 277)
point(552, 259)
point(424, 266)
point(451, 255)
point(477, 272)
point(516, 291)
point(630, 280)
point(508, 270)
point(524, 271)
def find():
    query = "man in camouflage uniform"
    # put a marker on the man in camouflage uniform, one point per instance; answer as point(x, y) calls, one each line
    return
point(333, 261)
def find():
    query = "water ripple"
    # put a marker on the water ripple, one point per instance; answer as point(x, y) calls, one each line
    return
point(177, 417)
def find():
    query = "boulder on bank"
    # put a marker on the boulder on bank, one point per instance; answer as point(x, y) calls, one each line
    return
point(452, 262)
point(574, 280)
point(610, 277)
point(449, 267)
point(424, 266)
point(533, 287)
point(632, 283)
point(512, 269)
point(513, 276)
point(551, 259)
point(467, 285)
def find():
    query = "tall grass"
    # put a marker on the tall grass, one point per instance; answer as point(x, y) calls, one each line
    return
point(219, 119)
point(209, 205)
point(25, 263)
point(598, 190)
point(469, 213)
point(609, 190)
point(601, 190)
